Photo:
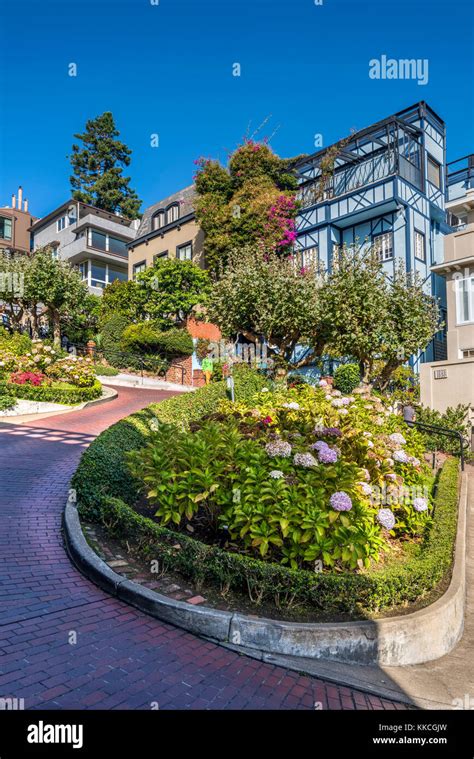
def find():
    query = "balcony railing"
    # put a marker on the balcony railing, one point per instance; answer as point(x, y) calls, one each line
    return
point(459, 177)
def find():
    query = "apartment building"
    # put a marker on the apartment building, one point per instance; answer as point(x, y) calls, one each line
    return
point(387, 187)
point(15, 223)
point(450, 382)
point(168, 229)
point(90, 238)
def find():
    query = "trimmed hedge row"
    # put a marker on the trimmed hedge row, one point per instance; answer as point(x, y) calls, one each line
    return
point(106, 492)
point(51, 394)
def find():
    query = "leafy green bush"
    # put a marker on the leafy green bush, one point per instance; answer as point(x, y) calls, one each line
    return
point(111, 336)
point(300, 462)
point(6, 402)
point(347, 377)
point(347, 592)
point(143, 337)
point(16, 343)
point(456, 419)
point(103, 470)
point(59, 392)
point(175, 342)
point(105, 371)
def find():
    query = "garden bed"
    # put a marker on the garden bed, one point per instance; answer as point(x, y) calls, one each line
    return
point(57, 392)
point(107, 494)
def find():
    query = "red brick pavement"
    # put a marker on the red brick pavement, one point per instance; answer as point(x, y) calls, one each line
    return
point(122, 658)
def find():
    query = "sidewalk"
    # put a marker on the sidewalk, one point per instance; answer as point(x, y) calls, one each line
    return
point(147, 383)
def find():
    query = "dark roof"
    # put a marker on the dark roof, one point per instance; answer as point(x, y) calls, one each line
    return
point(185, 198)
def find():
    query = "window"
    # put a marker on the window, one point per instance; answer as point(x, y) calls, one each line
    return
point(434, 172)
point(185, 252)
point(465, 299)
point(160, 256)
point(119, 247)
point(98, 275)
point(138, 268)
point(61, 223)
point(158, 220)
point(469, 353)
point(308, 256)
point(5, 228)
point(383, 245)
point(115, 273)
point(420, 251)
point(172, 214)
point(83, 268)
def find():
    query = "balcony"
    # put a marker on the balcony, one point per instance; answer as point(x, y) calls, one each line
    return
point(389, 148)
point(460, 178)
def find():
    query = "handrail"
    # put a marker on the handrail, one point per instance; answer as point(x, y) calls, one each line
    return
point(135, 357)
point(442, 431)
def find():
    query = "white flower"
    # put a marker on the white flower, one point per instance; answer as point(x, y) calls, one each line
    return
point(276, 474)
point(292, 405)
point(264, 390)
point(401, 456)
point(367, 434)
point(304, 459)
point(322, 383)
point(365, 487)
point(397, 437)
point(370, 444)
point(343, 411)
point(336, 393)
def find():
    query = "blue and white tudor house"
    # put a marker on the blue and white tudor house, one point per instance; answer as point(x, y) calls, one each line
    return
point(387, 187)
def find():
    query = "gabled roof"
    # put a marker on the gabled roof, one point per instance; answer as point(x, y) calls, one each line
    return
point(185, 199)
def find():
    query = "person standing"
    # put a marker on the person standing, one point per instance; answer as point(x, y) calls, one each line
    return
point(207, 367)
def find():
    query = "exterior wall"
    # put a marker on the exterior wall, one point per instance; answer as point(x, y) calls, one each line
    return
point(145, 250)
point(21, 223)
point(180, 371)
point(73, 244)
point(445, 383)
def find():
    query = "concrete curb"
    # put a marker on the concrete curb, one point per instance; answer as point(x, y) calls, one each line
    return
point(108, 395)
point(414, 638)
point(211, 623)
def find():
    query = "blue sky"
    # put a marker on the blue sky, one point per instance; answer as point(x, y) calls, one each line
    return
point(167, 69)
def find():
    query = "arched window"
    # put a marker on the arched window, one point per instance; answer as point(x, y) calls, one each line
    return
point(158, 220)
point(172, 213)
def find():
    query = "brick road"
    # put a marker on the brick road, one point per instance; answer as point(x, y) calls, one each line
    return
point(122, 659)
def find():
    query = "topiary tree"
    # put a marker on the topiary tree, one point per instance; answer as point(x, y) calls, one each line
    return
point(111, 339)
point(347, 377)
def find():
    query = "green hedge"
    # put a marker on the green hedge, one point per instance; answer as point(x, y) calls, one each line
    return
point(106, 493)
point(52, 394)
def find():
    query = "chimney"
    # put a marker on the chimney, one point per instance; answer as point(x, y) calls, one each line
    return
point(26, 205)
point(20, 197)
point(13, 201)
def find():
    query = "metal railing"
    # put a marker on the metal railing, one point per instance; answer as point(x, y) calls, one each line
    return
point(442, 431)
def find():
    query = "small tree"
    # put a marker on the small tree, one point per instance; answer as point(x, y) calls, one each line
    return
point(123, 298)
point(172, 291)
point(56, 285)
point(98, 167)
point(375, 319)
point(264, 295)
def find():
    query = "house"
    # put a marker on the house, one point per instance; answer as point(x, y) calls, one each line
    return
point(15, 223)
point(386, 185)
point(450, 382)
point(168, 229)
point(90, 238)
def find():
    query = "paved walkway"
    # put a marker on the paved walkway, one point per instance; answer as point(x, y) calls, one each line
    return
point(64, 643)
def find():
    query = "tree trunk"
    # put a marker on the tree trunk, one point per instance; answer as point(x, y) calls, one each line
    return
point(56, 328)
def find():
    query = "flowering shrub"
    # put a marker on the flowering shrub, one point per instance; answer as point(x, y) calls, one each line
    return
point(336, 483)
point(31, 378)
point(74, 369)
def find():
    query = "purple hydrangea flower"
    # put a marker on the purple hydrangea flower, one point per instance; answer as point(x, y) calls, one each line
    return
point(366, 475)
point(346, 401)
point(391, 476)
point(319, 446)
point(365, 487)
point(332, 432)
point(322, 383)
point(415, 461)
point(278, 448)
point(386, 517)
point(420, 504)
point(304, 459)
point(340, 501)
point(327, 455)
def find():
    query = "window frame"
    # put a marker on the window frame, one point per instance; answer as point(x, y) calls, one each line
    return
point(382, 257)
point(10, 220)
point(431, 160)
point(170, 208)
point(460, 302)
point(423, 237)
point(185, 245)
point(135, 267)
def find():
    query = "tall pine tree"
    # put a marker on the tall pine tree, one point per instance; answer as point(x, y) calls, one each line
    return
point(98, 165)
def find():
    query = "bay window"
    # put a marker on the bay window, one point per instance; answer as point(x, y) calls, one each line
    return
point(465, 299)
